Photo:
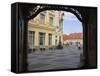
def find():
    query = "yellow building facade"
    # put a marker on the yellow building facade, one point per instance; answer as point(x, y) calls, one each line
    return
point(45, 30)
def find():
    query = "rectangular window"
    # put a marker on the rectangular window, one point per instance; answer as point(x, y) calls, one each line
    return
point(50, 39)
point(42, 38)
point(31, 38)
point(56, 42)
point(42, 18)
point(51, 21)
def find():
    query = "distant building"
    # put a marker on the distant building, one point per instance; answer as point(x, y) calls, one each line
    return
point(73, 39)
point(45, 30)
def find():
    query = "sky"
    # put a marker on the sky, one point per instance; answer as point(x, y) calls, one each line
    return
point(71, 24)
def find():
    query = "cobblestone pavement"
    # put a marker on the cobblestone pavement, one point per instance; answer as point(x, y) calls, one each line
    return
point(68, 57)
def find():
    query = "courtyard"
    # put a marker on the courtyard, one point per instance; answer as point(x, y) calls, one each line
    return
point(66, 58)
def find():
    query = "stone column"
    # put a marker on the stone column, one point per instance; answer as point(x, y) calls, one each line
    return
point(53, 39)
point(36, 38)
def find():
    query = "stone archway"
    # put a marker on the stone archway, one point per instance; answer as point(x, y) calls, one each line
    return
point(29, 11)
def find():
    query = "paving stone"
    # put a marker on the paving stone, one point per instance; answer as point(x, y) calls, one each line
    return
point(69, 57)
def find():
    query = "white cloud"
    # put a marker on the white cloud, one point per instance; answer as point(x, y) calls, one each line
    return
point(69, 16)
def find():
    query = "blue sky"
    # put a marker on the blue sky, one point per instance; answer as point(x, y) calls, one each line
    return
point(71, 24)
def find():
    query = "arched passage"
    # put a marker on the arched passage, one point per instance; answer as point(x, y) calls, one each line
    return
point(28, 11)
point(33, 12)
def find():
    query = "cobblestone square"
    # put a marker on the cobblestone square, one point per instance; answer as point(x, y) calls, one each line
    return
point(68, 57)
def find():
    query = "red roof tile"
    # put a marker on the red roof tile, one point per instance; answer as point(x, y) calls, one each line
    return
point(73, 36)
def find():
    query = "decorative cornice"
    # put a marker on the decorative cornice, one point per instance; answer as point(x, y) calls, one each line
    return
point(45, 27)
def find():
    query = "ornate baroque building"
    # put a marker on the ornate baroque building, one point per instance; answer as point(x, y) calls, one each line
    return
point(45, 30)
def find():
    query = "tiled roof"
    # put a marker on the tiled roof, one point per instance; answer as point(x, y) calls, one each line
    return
point(73, 36)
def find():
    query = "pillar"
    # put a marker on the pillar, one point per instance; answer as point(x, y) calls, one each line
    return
point(36, 38)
